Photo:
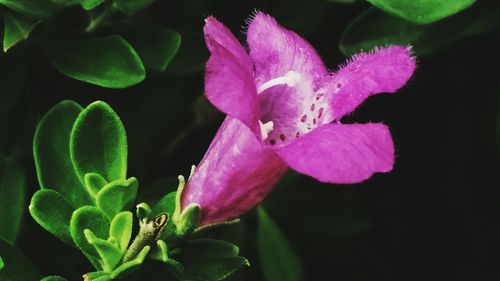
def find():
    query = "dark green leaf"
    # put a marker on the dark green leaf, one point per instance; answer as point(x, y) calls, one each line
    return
point(212, 269)
point(129, 7)
point(12, 80)
point(129, 267)
point(192, 55)
point(52, 156)
point(53, 212)
point(16, 266)
point(1, 263)
point(109, 254)
point(107, 62)
point(17, 28)
point(208, 248)
point(92, 218)
point(278, 260)
point(155, 44)
point(33, 8)
point(53, 278)
point(89, 4)
point(422, 11)
point(117, 196)
point(121, 229)
point(165, 205)
point(98, 143)
point(12, 198)
point(94, 183)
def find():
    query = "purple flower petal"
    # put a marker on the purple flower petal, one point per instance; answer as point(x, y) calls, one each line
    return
point(384, 70)
point(235, 174)
point(337, 153)
point(230, 87)
point(275, 51)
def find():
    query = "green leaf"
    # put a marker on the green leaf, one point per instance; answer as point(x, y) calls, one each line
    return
point(97, 275)
point(12, 80)
point(107, 62)
point(117, 196)
point(129, 267)
point(109, 254)
point(165, 205)
point(17, 28)
point(1, 263)
point(16, 266)
point(12, 198)
point(94, 183)
point(92, 218)
point(98, 143)
point(121, 229)
point(155, 44)
point(53, 278)
point(210, 260)
point(192, 55)
point(422, 11)
point(129, 7)
point(278, 260)
point(52, 156)
point(90, 4)
point(33, 8)
point(53, 212)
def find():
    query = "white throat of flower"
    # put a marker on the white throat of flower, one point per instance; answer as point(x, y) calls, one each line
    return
point(291, 78)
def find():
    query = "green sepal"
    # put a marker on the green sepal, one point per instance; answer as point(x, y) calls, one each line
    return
point(109, 62)
point(17, 28)
point(103, 278)
point(121, 230)
point(89, 217)
point(52, 212)
point(51, 142)
point(98, 143)
point(90, 4)
point(188, 220)
point(109, 254)
point(129, 267)
point(96, 275)
point(215, 225)
point(94, 183)
point(162, 251)
point(53, 278)
point(143, 211)
point(16, 267)
point(117, 196)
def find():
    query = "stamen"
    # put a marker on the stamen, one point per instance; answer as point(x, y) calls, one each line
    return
point(291, 78)
point(266, 128)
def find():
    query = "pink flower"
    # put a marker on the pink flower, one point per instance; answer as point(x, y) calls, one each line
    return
point(284, 110)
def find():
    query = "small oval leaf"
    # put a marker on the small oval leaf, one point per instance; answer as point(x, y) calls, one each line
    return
point(121, 229)
point(107, 62)
point(117, 196)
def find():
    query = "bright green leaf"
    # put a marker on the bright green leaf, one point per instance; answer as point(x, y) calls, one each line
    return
point(33, 8)
point(98, 143)
point(16, 266)
point(17, 28)
point(52, 156)
point(117, 196)
point(94, 183)
point(155, 44)
point(1, 263)
point(12, 198)
point(107, 62)
point(121, 229)
point(129, 7)
point(53, 212)
point(97, 275)
point(53, 278)
point(422, 11)
point(109, 254)
point(89, 4)
point(278, 260)
point(129, 267)
point(92, 218)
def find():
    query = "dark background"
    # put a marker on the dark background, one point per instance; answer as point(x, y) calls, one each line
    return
point(435, 217)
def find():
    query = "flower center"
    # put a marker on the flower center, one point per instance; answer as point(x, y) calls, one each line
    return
point(291, 78)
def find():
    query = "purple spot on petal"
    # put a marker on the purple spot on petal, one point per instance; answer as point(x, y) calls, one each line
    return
point(282, 137)
point(312, 107)
point(272, 142)
point(319, 96)
point(339, 85)
point(314, 121)
point(304, 118)
point(297, 134)
point(320, 113)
